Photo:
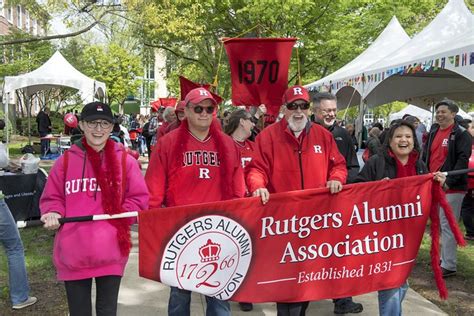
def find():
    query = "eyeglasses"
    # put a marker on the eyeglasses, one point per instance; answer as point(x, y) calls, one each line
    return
point(198, 109)
point(293, 106)
point(94, 124)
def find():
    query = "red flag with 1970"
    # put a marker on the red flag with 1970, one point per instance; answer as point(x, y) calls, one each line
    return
point(259, 70)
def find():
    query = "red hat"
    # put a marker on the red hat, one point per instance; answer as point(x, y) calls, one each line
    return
point(295, 93)
point(180, 106)
point(198, 95)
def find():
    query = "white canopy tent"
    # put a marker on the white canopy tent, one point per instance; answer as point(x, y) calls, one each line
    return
point(56, 72)
point(436, 63)
point(391, 38)
point(422, 114)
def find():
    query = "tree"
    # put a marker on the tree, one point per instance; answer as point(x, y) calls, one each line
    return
point(116, 67)
point(330, 32)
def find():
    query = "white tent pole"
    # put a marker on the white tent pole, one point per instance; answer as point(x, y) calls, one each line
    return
point(6, 122)
point(347, 107)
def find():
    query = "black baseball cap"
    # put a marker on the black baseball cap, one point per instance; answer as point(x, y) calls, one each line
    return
point(95, 111)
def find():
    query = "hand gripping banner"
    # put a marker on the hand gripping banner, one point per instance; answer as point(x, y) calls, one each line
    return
point(259, 70)
point(300, 246)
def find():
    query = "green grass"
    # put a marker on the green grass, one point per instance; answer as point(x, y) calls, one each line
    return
point(465, 266)
point(459, 287)
point(38, 245)
point(15, 149)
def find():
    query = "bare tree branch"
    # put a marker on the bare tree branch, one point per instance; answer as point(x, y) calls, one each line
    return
point(176, 54)
point(57, 36)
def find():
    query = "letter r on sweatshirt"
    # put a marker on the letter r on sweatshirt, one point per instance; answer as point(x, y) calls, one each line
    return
point(317, 149)
point(204, 173)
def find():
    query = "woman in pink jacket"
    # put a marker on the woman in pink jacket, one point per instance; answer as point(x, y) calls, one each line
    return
point(95, 176)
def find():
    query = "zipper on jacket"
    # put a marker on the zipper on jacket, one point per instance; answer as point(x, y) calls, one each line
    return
point(301, 166)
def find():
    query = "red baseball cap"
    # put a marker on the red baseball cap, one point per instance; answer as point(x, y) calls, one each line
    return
point(295, 93)
point(180, 106)
point(198, 95)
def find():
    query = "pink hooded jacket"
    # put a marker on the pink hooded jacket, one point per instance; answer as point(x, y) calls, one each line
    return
point(88, 249)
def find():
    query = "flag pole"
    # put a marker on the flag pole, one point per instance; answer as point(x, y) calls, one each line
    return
point(457, 172)
point(100, 217)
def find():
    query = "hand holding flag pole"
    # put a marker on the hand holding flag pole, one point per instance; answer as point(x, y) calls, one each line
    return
point(100, 217)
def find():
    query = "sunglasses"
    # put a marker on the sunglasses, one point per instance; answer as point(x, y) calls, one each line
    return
point(293, 106)
point(198, 109)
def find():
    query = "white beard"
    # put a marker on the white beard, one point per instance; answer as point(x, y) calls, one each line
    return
point(297, 126)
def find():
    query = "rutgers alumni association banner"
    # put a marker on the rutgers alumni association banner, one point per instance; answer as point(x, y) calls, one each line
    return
point(300, 246)
point(259, 70)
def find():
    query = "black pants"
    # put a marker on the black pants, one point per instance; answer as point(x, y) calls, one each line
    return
point(44, 144)
point(79, 296)
point(292, 309)
point(467, 213)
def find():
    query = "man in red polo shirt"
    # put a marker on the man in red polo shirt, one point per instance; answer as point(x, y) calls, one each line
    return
point(448, 148)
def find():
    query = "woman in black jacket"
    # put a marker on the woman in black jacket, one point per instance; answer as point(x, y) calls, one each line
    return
point(399, 157)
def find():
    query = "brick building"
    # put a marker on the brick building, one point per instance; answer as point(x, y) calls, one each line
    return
point(20, 18)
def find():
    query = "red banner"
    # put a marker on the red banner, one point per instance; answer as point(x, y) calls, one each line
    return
point(187, 85)
point(165, 102)
point(300, 246)
point(259, 70)
point(168, 102)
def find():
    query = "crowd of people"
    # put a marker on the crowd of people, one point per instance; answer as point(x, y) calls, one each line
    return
point(251, 157)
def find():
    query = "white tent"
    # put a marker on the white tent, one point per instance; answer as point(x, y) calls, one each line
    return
point(436, 63)
point(421, 114)
point(57, 71)
point(340, 81)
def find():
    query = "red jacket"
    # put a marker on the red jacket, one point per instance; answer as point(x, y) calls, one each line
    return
point(280, 163)
point(196, 176)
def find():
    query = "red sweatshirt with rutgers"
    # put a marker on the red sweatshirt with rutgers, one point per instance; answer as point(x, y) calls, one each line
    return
point(196, 176)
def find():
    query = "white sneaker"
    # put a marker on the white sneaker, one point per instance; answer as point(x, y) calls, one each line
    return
point(30, 301)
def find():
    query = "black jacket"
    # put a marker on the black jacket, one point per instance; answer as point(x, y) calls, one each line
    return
point(44, 123)
point(459, 151)
point(381, 166)
point(346, 148)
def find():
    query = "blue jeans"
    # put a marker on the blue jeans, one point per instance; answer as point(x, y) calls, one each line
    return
point(390, 301)
point(11, 242)
point(180, 301)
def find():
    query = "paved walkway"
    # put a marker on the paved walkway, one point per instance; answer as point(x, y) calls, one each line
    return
point(139, 296)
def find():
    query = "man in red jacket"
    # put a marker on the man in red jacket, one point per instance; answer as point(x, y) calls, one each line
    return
point(195, 163)
point(295, 154)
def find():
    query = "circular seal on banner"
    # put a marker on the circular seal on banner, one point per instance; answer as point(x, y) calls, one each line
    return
point(210, 255)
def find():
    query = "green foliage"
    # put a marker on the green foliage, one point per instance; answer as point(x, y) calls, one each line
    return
point(22, 58)
point(330, 33)
point(116, 67)
point(383, 111)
